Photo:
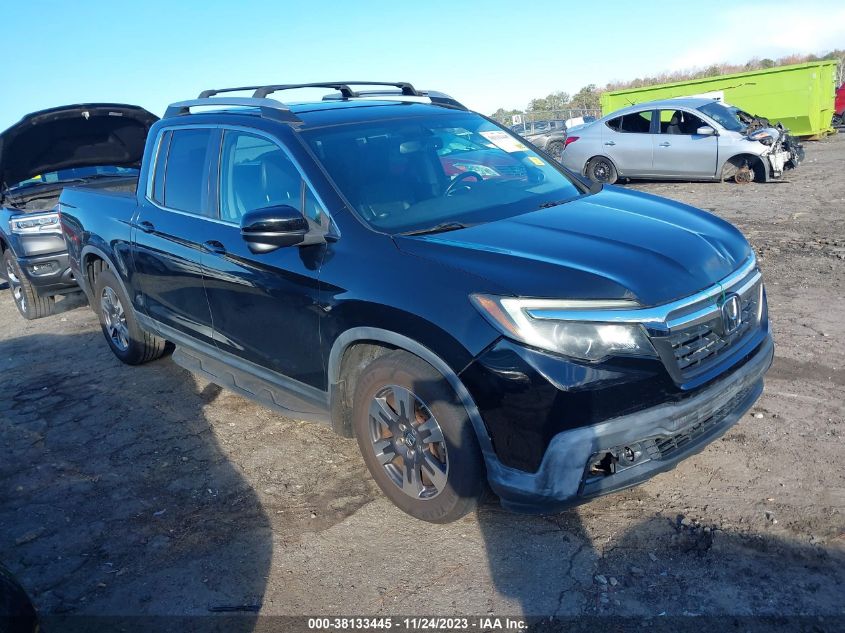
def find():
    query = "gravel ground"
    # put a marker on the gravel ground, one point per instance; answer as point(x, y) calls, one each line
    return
point(149, 491)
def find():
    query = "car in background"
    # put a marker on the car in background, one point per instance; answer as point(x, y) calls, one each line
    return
point(681, 139)
point(550, 136)
point(839, 106)
point(39, 156)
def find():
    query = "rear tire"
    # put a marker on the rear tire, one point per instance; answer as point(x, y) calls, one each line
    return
point(555, 150)
point(417, 439)
point(27, 301)
point(127, 340)
point(602, 170)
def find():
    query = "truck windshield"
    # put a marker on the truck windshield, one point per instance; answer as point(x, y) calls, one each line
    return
point(723, 115)
point(407, 175)
point(74, 173)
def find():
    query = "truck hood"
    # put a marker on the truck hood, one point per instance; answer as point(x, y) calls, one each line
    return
point(82, 135)
point(615, 244)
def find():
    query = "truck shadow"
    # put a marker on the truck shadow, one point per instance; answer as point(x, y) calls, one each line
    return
point(117, 499)
point(614, 564)
point(573, 573)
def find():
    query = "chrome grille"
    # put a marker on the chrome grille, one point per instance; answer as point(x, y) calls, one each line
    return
point(694, 346)
point(698, 339)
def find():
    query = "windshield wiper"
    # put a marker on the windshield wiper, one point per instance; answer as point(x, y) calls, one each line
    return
point(554, 203)
point(438, 228)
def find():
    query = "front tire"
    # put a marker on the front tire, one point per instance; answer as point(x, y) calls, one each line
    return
point(127, 340)
point(602, 170)
point(417, 439)
point(27, 300)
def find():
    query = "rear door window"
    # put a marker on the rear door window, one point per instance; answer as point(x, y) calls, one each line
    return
point(186, 171)
point(634, 123)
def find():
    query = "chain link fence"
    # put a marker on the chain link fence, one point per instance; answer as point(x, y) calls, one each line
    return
point(540, 122)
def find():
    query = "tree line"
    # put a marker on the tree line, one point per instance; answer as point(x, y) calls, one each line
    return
point(588, 97)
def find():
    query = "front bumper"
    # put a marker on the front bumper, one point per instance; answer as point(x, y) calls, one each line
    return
point(48, 274)
point(662, 436)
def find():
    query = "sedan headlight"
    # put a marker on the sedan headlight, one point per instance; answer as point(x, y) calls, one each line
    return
point(531, 321)
point(35, 223)
point(763, 136)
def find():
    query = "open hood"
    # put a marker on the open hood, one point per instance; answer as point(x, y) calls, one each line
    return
point(82, 135)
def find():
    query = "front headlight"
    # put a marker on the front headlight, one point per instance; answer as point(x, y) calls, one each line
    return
point(525, 320)
point(35, 223)
point(763, 136)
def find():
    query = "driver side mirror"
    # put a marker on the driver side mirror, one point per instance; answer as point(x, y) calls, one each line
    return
point(269, 228)
point(706, 130)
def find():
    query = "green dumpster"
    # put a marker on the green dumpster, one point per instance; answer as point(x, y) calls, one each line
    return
point(799, 96)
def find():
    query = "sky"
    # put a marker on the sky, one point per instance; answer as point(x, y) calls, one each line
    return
point(486, 54)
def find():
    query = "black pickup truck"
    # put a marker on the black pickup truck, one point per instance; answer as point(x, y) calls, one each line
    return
point(39, 156)
point(414, 275)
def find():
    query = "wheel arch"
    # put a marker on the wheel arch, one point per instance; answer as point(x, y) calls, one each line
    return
point(729, 166)
point(359, 345)
point(606, 157)
point(87, 258)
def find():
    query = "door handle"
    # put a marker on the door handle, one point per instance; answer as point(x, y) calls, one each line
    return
point(213, 246)
point(610, 142)
point(146, 227)
point(665, 144)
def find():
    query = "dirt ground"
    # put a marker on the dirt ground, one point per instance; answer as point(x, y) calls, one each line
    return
point(149, 491)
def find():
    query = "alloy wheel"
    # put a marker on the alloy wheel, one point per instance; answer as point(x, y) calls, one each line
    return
point(408, 442)
point(601, 171)
point(16, 286)
point(114, 319)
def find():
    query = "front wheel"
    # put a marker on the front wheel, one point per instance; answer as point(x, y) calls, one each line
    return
point(126, 339)
point(27, 300)
point(601, 169)
point(416, 438)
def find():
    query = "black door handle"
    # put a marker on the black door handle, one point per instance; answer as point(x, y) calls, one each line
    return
point(146, 227)
point(213, 246)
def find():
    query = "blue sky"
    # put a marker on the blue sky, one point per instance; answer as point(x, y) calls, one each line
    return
point(487, 54)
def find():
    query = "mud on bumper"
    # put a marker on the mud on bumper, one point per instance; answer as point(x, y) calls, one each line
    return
point(590, 461)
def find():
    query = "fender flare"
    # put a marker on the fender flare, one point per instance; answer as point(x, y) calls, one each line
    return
point(379, 335)
point(89, 249)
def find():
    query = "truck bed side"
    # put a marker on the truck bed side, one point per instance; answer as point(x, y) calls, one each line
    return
point(97, 225)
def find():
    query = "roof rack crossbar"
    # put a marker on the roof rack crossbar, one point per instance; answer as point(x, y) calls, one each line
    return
point(437, 98)
point(341, 86)
point(205, 94)
point(269, 108)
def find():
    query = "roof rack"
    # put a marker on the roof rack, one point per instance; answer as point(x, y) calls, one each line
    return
point(270, 108)
point(435, 97)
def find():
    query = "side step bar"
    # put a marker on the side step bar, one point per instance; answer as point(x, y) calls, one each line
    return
point(289, 400)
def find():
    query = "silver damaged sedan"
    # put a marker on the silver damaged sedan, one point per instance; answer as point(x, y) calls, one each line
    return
point(681, 139)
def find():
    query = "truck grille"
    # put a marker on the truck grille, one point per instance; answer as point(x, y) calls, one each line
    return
point(702, 338)
point(695, 346)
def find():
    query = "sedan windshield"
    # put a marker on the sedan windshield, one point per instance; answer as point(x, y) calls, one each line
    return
point(412, 174)
point(723, 115)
